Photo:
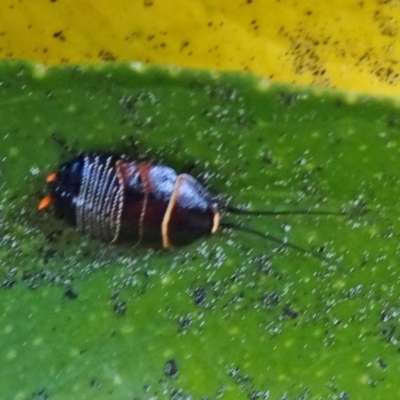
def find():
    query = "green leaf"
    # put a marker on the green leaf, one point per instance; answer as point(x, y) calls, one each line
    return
point(234, 315)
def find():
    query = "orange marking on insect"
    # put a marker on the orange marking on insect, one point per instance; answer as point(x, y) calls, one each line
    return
point(45, 202)
point(125, 171)
point(216, 220)
point(51, 178)
point(144, 171)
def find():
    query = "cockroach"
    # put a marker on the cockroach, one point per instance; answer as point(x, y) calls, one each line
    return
point(117, 199)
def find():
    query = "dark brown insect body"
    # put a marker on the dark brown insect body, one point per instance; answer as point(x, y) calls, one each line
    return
point(117, 199)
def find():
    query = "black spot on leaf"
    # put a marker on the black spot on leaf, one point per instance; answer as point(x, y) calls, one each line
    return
point(171, 369)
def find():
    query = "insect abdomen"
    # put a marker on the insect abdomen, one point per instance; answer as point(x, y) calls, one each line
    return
point(148, 189)
point(98, 206)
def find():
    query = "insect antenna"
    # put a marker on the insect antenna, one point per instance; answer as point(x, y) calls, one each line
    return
point(267, 236)
point(235, 210)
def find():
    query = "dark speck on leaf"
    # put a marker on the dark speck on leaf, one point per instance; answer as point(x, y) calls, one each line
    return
point(271, 299)
point(94, 383)
point(233, 372)
point(184, 322)
point(59, 35)
point(120, 307)
point(171, 369)
point(389, 333)
point(179, 394)
point(40, 394)
point(387, 315)
point(146, 388)
point(339, 103)
point(267, 158)
point(289, 313)
point(199, 296)
point(381, 363)
point(114, 296)
point(184, 44)
point(8, 283)
point(287, 99)
point(393, 121)
point(258, 395)
point(105, 55)
point(128, 102)
point(70, 294)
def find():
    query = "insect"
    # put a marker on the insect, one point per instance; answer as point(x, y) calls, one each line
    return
point(117, 199)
